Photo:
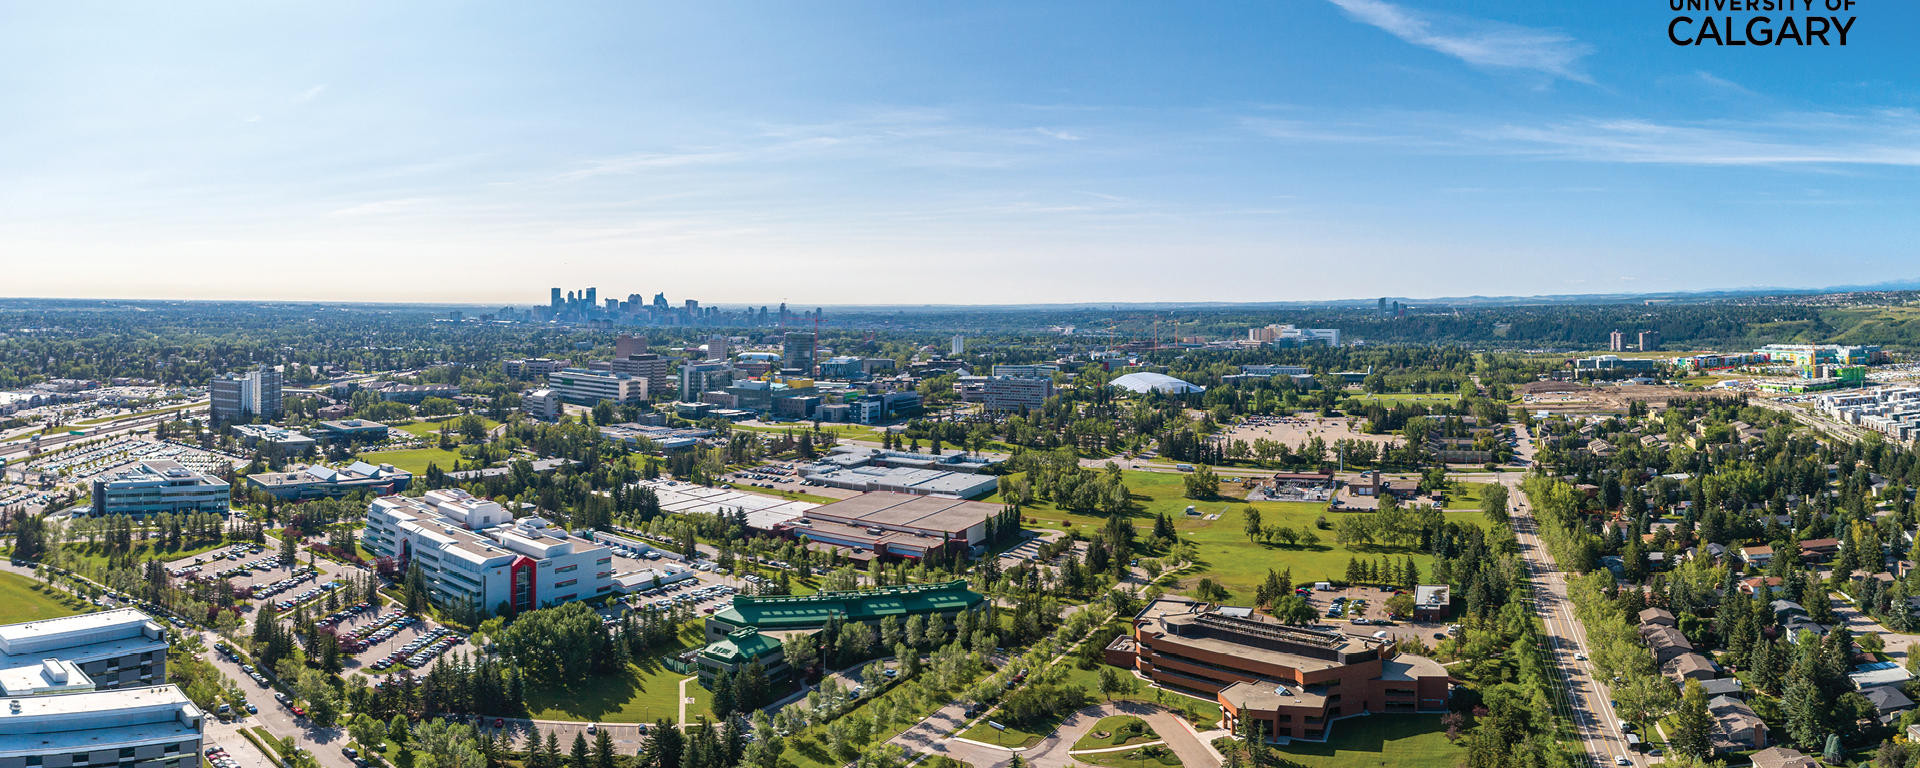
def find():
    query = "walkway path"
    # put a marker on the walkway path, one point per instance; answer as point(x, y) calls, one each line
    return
point(930, 736)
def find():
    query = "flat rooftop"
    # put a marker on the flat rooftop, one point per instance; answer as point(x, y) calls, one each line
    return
point(932, 513)
point(79, 722)
point(81, 638)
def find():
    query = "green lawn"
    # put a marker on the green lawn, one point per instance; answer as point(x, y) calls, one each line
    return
point(1014, 737)
point(1226, 555)
point(1466, 495)
point(22, 600)
point(1158, 756)
point(1120, 731)
point(414, 460)
point(647, 692)
point(95, 556)
point(1230, 559)
point(430, 428)
point(1400, 741)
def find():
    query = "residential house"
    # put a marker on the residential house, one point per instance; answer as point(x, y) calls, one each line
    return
point(1736, 727)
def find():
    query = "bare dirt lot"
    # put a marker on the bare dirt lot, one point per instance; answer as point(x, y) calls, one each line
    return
point(1295, 431)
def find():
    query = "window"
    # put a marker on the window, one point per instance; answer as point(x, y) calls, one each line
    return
point(33, 759)
point(565, 584)
point(126, 752)
point(566, 568)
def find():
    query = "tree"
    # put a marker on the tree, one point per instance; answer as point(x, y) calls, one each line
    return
point(1252, 524)
point(1400, 605)
point(1693, 724)
point(579, 757)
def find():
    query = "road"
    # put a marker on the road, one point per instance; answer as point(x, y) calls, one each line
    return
point(128, 424)
point(1587, 702)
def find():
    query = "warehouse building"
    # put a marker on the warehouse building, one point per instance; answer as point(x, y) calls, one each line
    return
point(894, 525)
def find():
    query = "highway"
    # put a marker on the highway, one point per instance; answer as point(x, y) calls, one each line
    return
point(1586, 700)
point(127, 424)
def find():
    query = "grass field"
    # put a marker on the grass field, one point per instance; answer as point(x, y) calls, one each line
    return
point(1391, 398)
point(646, 693)
point(430, 428)
point(1240, 565)
point(1400, 741)
point(22, 600)
point(1466, 495)
point(1120, 731)
point(1225, 553)
point(413, 460)
point(95, 556)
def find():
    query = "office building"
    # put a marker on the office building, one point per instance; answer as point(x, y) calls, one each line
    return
point(1649, 341)
point(153, 487)
point(716, 348)
point(628, 345)
point(1615, 363)
point(542, 404)
point(319, 482)
point(472, 551)
point(531, 367)
point(704, 376)
point(268, 436)
point(350, 431)
point(1294, 682)
point(662, 438)
point(1006, 394)
point(1029, 371)
point(413, 394)
point(110, 649)
point(656, 370)
point(584, 387)
point(254, 395)
point(1289, 336)
point(151, 727)
point(797, 352)
point(1274, 370)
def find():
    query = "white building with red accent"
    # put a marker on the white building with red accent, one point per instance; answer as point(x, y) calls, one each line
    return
point(471, 550)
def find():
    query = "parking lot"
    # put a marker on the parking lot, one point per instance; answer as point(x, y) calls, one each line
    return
point(1371, 618)
point(784, 476)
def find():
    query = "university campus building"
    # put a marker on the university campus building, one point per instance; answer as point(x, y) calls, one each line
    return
point(88, 690)
point(471, 549)
point(752, 628)
point(1294, 681)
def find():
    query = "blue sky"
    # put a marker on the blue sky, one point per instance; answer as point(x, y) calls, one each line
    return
point(982, 152)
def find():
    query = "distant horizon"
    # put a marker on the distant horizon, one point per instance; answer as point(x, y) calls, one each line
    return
point(996, 153)
point(801, 306)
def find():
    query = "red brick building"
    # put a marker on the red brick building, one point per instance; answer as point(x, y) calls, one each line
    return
point(1295, 681)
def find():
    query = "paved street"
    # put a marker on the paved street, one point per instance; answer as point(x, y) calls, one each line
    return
point(1589, 704)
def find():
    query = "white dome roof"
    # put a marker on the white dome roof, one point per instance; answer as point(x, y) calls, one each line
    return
point(1144, 382)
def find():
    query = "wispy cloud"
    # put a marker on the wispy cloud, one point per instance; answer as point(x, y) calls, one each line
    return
point(1722, 83)
point(310, 94)
point(1482, 43)
point(1054, 133)
point(1817, 141)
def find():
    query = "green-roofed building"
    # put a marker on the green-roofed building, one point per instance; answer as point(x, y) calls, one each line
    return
point(739, 649)
point(781, 614)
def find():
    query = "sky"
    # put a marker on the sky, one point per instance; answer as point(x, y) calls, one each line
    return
point(847, 152)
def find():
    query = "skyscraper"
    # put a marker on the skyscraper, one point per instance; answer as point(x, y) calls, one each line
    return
point(797, 351)
point(1649, 341)
point(958, 346)
point(244, 396)
point(1617, 342)
point(557, 302)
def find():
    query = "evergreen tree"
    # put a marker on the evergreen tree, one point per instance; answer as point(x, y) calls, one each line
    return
point(1693, 724)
